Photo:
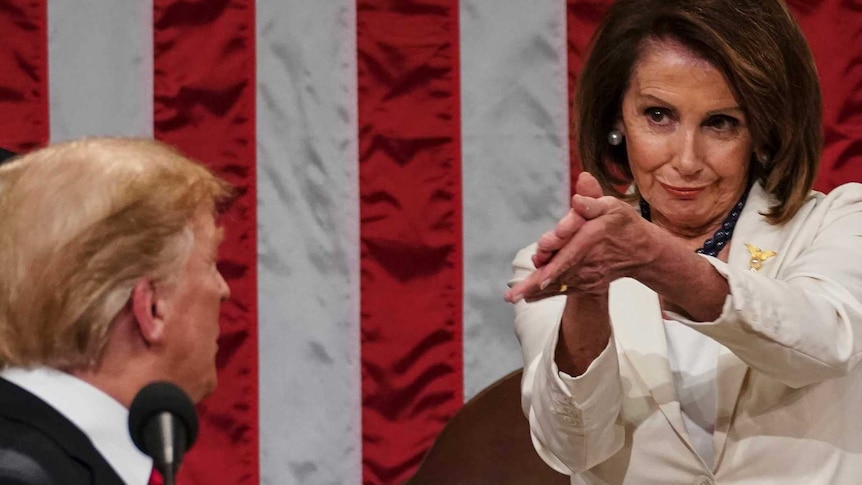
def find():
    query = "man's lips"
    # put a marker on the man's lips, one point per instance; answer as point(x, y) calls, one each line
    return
point(683, 192)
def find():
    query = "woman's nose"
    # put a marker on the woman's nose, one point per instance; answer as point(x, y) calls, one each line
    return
point(687, 159)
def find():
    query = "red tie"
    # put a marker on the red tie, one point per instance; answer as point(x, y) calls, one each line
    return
point(155, 478)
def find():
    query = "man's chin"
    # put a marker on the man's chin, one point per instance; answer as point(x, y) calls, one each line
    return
point(202, 390)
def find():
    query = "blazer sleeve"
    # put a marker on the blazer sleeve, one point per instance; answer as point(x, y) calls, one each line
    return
point(804, 325)
point(573, 421)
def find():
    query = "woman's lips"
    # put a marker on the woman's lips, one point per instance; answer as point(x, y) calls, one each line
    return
point(683, 192)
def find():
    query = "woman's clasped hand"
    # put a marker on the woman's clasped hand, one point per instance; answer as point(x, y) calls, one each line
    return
point(600, 239)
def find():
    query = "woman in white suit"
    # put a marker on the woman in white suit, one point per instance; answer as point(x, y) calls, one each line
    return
point(705, 325)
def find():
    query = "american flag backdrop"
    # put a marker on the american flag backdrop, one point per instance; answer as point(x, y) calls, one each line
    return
point(391, 156)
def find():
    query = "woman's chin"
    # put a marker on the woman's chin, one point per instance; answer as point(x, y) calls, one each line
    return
point(688, 223)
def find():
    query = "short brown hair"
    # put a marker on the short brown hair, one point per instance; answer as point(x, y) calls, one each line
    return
point(82, 222)
point(762, 53)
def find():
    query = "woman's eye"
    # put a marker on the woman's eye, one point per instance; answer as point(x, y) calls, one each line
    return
point(723, 123)
point(657, 115)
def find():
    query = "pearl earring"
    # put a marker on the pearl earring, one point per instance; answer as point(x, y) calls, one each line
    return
point(615, 137)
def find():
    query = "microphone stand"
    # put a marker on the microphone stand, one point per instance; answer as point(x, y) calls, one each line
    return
point(166, 426)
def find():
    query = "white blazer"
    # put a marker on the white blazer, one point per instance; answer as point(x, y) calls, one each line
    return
point(789, 390)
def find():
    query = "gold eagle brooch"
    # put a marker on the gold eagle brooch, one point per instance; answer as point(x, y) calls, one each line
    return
point(758, 256)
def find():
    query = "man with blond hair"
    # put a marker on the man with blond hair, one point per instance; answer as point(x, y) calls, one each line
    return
point(108, 282)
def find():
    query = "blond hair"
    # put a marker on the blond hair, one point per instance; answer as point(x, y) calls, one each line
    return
point(82, 222)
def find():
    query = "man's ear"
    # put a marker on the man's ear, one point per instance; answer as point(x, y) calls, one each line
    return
point(146, 308)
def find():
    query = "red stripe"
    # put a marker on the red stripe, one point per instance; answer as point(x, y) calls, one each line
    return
point(410, 230)
point(204, 103)
point(828, 26)
point(24, 123)
point(582, 19)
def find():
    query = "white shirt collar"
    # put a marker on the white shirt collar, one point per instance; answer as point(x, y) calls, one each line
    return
point(96, 414)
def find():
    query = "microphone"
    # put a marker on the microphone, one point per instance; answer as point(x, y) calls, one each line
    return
point(164, 425)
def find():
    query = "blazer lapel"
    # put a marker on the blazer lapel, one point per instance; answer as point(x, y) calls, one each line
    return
point(752, 229)
point(639, 329)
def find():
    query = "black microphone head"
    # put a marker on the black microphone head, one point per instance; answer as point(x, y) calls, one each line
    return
point(157, 398)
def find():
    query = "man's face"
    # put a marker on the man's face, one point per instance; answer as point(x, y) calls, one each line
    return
point(192, 313)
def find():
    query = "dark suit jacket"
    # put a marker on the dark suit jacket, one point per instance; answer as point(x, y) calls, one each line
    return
point(39, 446)
point(4, 154)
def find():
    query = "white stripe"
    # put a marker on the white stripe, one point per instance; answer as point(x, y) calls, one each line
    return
point(515, 161)
point(308, 256)
point(100, 68)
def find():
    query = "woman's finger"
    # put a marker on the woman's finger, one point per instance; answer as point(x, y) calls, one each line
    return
point(588, 185)
point(557, 237)
point(570, 256)
point(589, 208)
point(528, 285)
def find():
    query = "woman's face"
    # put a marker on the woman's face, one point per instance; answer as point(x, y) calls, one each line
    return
point(687, 139)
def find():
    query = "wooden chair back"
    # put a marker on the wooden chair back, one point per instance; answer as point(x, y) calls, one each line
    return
point(487, 443)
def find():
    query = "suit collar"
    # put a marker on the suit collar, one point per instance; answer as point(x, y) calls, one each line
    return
point(4, 154)
point(19, 405)
point(98, 415)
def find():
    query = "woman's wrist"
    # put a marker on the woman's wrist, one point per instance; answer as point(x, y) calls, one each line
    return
point(685, 279)
point(584, 332)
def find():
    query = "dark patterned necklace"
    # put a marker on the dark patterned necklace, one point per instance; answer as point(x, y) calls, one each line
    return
point(713, 245)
